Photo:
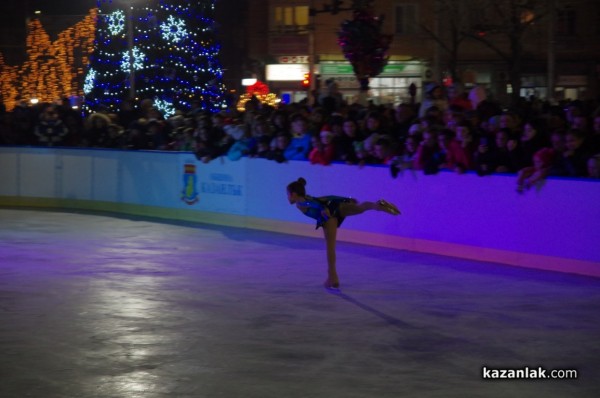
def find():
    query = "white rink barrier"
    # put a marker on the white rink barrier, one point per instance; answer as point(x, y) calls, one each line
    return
point(553, 227)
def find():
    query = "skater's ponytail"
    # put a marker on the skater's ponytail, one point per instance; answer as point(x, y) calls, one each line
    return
point(297, 187)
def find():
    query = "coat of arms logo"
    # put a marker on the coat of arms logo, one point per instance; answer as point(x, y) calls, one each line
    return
point(189, 194)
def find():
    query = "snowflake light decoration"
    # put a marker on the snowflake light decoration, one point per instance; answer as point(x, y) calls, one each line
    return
point(173, 30)
point(90, 79)
point(116, 22)
point(138, 60)
point(165, 107)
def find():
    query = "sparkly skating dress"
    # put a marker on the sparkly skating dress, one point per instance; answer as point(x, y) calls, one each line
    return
point(313, 208)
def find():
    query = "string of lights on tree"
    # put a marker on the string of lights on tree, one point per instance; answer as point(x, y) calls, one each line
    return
point(53, 69)
point(175, 55)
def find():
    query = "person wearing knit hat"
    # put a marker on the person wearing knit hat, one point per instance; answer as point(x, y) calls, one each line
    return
point(326, 131)
point(323, 151)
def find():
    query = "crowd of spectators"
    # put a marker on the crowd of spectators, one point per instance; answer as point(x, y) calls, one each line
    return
point(452, 129)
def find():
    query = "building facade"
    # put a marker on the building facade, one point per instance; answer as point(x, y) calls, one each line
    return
point(556, 44)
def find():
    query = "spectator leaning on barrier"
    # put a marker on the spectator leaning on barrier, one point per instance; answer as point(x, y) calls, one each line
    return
point(282, 142)
point(383, 152)
point(135, 135)
point(300, 145)
point(323, 151)
point(429, 158)
point(263, 148)
point(558, 145)
point(503, 159)
point(206, 146)
point(484, 157)
point(157, 133)
point(242, 143)
point(406, 159)
point(533, 138)
point(23, 122)
point(576, 155)
point(345, 143)
point(279, 122)
point(96, 130)
point(532, 175)
point(461, 149)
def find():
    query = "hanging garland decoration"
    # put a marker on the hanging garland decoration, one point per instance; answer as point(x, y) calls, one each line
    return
point(260, 92)
point(258, 88)
point(364, 46)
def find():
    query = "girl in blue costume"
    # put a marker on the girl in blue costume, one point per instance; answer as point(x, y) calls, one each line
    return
point(330, 212)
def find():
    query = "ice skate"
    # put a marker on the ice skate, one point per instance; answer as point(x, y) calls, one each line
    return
point(388, 207)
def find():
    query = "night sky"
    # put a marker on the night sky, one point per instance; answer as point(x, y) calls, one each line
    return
point(63, 7)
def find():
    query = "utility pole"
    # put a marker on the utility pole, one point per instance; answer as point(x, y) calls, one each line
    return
point(437, 68)
point(551, 50)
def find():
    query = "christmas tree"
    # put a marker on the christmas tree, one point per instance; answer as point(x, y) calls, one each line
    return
point(161, 50)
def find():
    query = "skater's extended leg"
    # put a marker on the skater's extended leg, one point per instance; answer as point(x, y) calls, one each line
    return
point(355, 208)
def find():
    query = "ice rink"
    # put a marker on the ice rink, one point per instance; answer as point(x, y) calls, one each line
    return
point(96, 305)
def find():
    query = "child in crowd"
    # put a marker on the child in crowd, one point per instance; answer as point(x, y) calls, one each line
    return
point(323, 151)
point(406, 160)
point(345, 143)
point(282, 142)
point(299, 146)
point(461, 149)
point(531, 175)
point(429, 157)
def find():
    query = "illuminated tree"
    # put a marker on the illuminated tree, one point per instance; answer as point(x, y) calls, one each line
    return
point(38, 75)
point(8, 87)
point(53, 70)
point(175, 55)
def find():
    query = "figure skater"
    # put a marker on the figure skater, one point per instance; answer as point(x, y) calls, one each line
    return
point(330, 212)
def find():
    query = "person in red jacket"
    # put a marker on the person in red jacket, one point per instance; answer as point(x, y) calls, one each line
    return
point(323, 151)
point(461, 149)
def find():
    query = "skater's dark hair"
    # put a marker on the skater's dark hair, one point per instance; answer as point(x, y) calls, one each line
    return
point(297, 187)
